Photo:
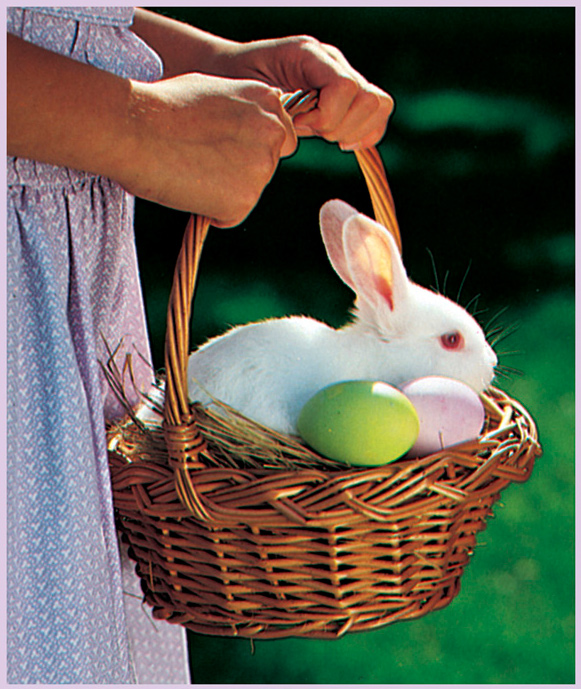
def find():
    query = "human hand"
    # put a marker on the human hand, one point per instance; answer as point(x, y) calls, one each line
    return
point(350, 110)
point(206, 144)
point(196, 143)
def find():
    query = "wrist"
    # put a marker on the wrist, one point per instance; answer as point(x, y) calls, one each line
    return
point(140, 128)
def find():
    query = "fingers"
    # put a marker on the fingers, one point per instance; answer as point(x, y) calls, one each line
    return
point(272, 125)
point(350, 110)
point(271, 102)
point(289, 145)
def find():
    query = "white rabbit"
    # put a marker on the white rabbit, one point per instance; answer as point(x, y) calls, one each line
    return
point(400, 331)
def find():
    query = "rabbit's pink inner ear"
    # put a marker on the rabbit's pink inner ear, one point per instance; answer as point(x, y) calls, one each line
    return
point(380, 268)
point(369, 257)
point(384, 290)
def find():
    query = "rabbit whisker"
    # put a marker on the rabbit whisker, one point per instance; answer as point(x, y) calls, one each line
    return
point(497, 332)
point(496, 316)
point(500, 333)
point(477, 314)
point(463, 281)
point(437, 288)
point(444, 287)
point(503, 371)
point(473, 303)
point(513, 352)
point(445, 284)
point(500, 375)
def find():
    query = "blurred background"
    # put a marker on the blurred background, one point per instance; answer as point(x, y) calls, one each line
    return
point(480, 157)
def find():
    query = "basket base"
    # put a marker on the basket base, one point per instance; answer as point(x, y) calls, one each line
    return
point(310, 584)
point(312, 629)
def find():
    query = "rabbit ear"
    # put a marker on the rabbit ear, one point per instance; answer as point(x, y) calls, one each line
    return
point(333, 216)
point(374, 263)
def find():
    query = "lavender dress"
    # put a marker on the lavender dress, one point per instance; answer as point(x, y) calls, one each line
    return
point(74, 605)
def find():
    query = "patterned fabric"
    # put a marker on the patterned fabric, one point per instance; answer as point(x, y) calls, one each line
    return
point(74, 605)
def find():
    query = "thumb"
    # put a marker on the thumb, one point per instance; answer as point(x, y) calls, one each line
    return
point(289, 145)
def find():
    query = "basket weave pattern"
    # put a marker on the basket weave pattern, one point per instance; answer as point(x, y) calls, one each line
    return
point(238, 531)
point(311, 552)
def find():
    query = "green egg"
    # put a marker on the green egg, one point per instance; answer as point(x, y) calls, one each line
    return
point(360, 422)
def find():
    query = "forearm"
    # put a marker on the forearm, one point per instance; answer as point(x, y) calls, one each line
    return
point(64, 112)
point(184, 48)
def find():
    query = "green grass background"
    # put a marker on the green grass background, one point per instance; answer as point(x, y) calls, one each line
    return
point(480, 155)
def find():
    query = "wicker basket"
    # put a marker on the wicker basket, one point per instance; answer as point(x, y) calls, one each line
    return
point(239, 531)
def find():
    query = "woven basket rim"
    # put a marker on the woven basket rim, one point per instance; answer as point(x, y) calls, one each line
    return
point(147, 417)
point(505, 452)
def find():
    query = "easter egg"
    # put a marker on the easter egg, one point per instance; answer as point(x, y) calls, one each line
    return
point(449, 411)
point(359, 422)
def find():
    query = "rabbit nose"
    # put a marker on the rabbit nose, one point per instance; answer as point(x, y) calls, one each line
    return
point(492, 358)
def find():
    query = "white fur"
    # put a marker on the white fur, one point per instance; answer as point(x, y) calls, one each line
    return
point(268, 370)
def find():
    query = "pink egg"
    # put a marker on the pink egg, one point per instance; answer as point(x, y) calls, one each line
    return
point(449, 411)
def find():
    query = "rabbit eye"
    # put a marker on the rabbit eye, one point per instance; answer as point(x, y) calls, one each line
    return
point(453, 340)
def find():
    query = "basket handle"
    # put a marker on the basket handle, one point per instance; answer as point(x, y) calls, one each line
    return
point(183, 440)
